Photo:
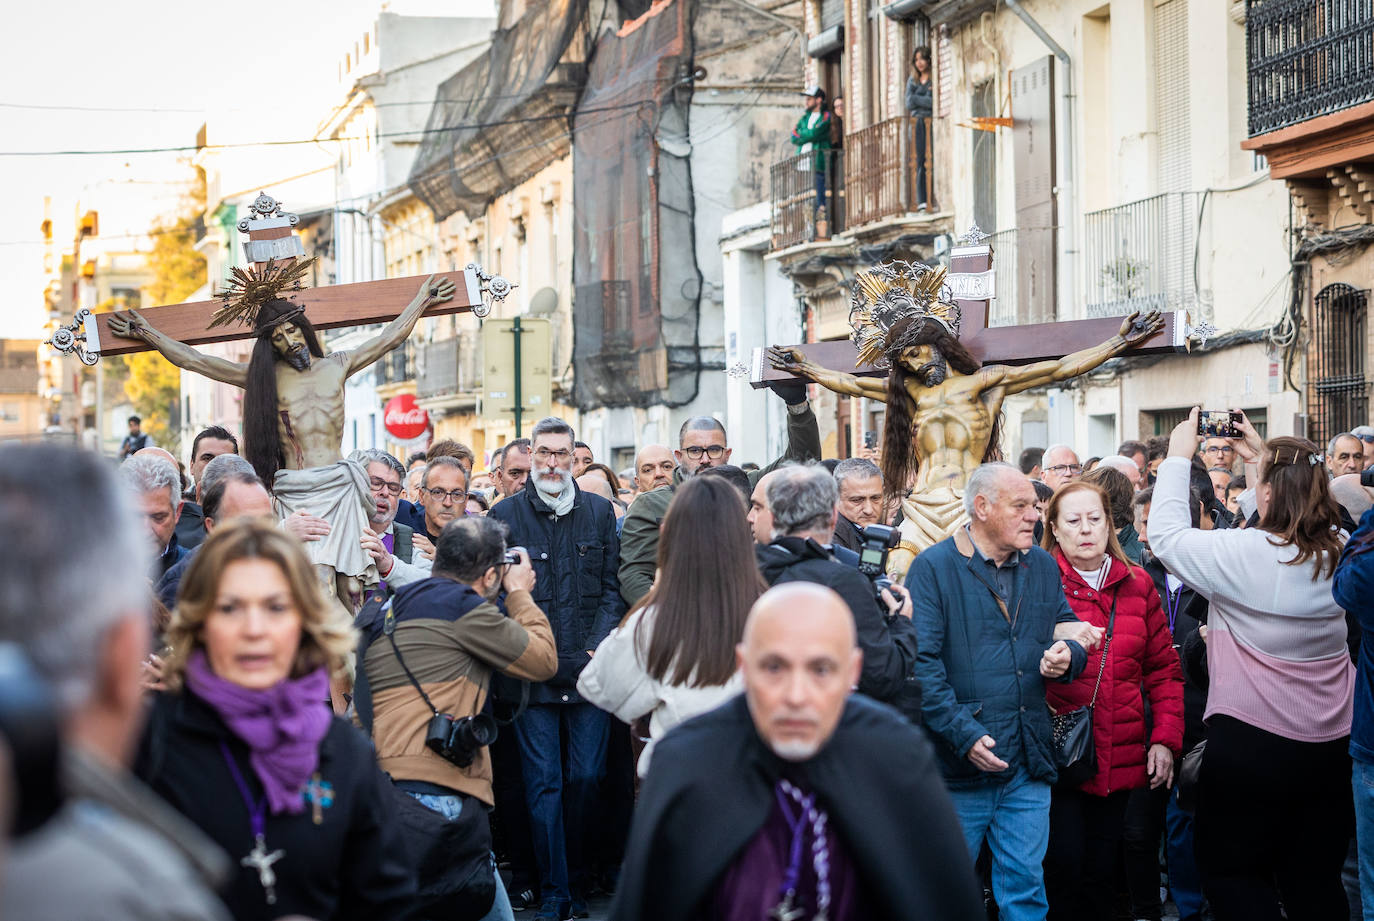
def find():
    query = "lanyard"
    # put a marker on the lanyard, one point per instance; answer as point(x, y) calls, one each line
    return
point(788, 908)
point(1174, 597)
point(258, 858)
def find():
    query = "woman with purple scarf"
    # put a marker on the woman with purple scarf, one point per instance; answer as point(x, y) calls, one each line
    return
point(243, 742)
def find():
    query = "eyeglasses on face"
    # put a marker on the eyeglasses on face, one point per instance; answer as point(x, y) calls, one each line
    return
point(543, 454)
point(715, 452)
point(379, 484)
point(1065, 469)
point(446, 496)
point(1218, 449)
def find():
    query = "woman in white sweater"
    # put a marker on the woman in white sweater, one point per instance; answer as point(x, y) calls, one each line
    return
point(1274, 804)
point(673, 657)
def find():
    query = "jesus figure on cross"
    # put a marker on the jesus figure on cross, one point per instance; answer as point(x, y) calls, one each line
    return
point(293, 411)
point(943, 408)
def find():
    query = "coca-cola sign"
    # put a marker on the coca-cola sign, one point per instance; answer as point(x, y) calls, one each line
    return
point(403, 419)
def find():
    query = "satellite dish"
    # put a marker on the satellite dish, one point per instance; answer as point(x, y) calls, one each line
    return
point(544, 302)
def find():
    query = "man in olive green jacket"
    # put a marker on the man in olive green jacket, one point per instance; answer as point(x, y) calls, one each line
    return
point(702, 444)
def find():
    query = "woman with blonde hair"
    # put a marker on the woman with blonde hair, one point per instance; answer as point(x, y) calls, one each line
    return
point(1274, 802)
point(243, 743)
point(1135, 663)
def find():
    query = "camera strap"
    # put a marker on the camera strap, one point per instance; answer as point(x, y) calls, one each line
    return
point(389, 630)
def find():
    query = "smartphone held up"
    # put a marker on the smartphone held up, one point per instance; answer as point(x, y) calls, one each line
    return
point(1215, 423)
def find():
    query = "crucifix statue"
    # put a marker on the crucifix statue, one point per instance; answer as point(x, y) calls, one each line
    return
point(944, 404)
point(293, 406)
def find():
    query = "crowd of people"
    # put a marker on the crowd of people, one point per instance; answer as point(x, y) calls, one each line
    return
point(689, 686)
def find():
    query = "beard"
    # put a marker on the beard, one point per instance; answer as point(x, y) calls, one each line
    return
point(551, 484)
point(934, 371)
point(298, 358)
point(794, 749)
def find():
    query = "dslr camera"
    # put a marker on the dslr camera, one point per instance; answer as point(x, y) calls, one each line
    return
point(512, 556)
point(459, 740)
point(878, 541)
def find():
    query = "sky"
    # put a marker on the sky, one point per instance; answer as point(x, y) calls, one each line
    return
point(138, 74)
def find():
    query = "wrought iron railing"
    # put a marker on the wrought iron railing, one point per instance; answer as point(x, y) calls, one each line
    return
point(795, 183)
point(448, 366)
point(889, 170)
point(1140, 256)
point(1337, 388)
point(395, 366)
point(1307, 58)
point(1004, 311)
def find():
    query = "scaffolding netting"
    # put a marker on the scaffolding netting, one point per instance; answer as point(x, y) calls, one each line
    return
point(637, 286)
point(501, 118)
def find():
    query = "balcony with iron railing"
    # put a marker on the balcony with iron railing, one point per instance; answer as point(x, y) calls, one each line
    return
point(1307, 59)
point(1139, 256)
point(884, 171)
point(449, 368)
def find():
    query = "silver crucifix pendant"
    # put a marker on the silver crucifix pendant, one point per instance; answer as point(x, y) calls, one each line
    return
point(259, 859)
point(785, 910)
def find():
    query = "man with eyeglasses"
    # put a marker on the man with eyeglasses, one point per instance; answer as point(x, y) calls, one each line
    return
point(571, 539)
point(390, 543)
point(1217, 452)
point(1059, 467)
point(445, 493)
point(702, 444)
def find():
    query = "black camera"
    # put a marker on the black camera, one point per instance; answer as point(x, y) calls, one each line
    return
point(459, 740)
point(512, 556)
point(878, 541)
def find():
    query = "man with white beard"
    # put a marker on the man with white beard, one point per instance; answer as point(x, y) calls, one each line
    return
point(571, 539)
point(796, 799)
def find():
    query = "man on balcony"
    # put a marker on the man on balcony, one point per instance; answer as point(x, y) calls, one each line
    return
point(812, 136)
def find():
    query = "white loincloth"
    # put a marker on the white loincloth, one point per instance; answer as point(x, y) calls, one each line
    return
point(927, 519)
point(339, 494)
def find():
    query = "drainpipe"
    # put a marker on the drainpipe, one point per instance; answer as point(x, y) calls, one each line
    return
point(1065, 188)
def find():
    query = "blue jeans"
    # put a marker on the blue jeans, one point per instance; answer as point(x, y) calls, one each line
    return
point(1185, 885)
point(1014, 818)
point(562, 757)
point(1362, 781)
point(450, 807)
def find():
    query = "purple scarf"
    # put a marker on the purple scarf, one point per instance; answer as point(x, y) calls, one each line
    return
point(281, 726)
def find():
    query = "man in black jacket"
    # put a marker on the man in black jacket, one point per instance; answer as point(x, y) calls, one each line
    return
point(860, 484)
point(796, 799)
point(802, 503)
point(571, 540)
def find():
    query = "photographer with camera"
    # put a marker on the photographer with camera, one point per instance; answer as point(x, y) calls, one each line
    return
point(426, 659)
point(802, 501)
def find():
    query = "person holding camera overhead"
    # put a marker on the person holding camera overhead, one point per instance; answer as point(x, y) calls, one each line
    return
point(1274, 802)
point(427, 689)
point(573, 546)
point(801, 500)
point(244, 745)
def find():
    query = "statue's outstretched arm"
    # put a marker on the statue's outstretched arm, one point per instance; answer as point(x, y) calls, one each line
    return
point(132, 326)
point(1134, 330)
point(787, 358)
point(395, 332)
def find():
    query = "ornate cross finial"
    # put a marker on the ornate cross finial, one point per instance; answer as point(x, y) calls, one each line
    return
point(973, 236)
point(495, 289)
point(80, 337)
point(265, 207)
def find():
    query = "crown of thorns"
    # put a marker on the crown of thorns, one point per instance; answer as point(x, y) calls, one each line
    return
point(249, 290)
point(889, 293)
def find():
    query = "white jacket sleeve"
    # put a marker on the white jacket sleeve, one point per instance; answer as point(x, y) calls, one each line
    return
point(615, 679)
point(1212, 563)
point(404, 573)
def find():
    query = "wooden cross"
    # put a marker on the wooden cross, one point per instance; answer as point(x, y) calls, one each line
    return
point(971, 281)
point(271, 240)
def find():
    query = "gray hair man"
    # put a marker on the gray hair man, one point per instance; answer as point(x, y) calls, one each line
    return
point(390, 543)
point(76, 604)
point(860, 485)
point(701, 444)
point(802, 501)
point(1345, 454)
point(1125, 465)
point(989, 614)
point(154, 484)
point(1059, 466)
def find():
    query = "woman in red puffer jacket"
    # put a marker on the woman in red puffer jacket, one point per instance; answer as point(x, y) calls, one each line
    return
point(1087, 822)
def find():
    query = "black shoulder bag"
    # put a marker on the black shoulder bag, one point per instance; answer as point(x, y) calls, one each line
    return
point(1075, 755)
